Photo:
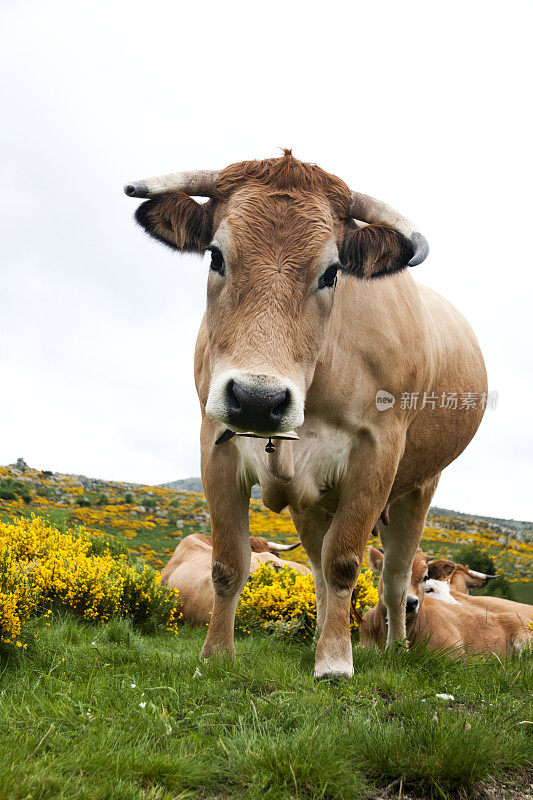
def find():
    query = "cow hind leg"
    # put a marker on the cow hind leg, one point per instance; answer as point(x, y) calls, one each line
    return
point(401, 538)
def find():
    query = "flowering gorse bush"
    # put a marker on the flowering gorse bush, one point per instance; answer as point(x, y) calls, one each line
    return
point(18, 597)
point(42, 567)
point(282, 602)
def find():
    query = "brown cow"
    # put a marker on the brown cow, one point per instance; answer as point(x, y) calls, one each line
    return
point(464, 579)
point(445, 591)
point(189, 570)
point(446, 624)
point(313, 323)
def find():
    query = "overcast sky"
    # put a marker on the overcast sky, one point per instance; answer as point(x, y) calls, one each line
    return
point(424, 106)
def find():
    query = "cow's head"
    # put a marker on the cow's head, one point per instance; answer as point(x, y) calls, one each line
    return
point(423, 570)
point(464, 579)
point(278, 232)
point(259, 544)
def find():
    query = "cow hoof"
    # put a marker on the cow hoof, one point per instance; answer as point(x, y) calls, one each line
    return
point(333, 677)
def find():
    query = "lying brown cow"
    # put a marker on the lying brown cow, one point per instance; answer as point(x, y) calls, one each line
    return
point(443, 624)
point(464, 579)
point(189, 570)
point(445, 591)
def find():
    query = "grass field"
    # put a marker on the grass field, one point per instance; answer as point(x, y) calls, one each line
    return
point(105, 712)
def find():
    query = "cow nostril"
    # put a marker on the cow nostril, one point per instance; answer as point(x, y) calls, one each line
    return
point(412, 604)
point(280, 408)
point(233, 400)
point(256, 408)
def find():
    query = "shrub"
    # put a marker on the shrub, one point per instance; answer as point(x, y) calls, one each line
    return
point(10, 489)
point(42, 568)
point(84, 501)
point(102, 543)
point(145, 602)
point(282, 602)
point(148, 502)
point(18, 597)
point(128, 498)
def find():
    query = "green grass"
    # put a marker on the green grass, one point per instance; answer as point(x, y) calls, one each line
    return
point(71, 725)
point(523, 592)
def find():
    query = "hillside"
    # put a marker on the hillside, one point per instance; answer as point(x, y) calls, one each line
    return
point(518, 529)
point(195, 485)
point(153, 519)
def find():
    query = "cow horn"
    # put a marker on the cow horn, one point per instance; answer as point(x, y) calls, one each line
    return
point(276, 546)
point(367, 209)
point(201, 183)
point(474, 574)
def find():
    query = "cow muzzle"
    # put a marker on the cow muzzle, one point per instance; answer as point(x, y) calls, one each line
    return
point(260, 404)
point(411, 605)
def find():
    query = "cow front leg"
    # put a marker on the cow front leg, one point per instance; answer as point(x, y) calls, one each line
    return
point(341, 565)
point(365, 492)
point(228, 503)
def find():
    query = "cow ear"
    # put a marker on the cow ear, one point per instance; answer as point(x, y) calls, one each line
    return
point(370, 251)
point(375, 559)
point(441, 569)
point(178, 221)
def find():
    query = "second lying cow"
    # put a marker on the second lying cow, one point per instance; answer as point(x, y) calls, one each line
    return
point(189, 571)
point(468, 626)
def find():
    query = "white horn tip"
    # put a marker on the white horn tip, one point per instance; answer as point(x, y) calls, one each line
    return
point(278, 546)
point(481, 575)
point(420, 247)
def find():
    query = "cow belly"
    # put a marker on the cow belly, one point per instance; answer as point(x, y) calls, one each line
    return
point(434, 439)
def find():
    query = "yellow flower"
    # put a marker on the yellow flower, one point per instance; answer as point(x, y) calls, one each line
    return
point(41, 565)
point(282, 601)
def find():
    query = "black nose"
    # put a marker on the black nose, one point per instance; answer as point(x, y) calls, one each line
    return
point(412, 604)
point(256, 409)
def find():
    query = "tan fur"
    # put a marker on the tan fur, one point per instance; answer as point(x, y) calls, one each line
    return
point(470, 627)
point(189, 571)
point(496, 604)
point(280, 224)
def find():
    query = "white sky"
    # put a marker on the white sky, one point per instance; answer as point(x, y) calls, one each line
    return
point(425, 106)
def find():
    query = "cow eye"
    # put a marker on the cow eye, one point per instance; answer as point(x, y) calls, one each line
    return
point(217, 261)
point(329, 277)
point(424, 579)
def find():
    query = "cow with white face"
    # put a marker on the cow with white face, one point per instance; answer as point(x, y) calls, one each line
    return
point(435, 616)
point(310, 316)
point(455, 590)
